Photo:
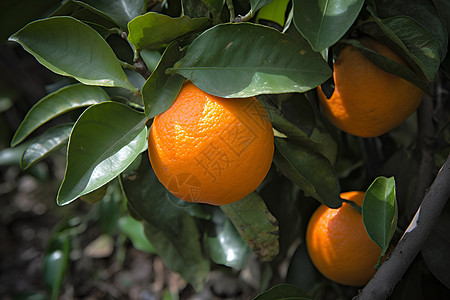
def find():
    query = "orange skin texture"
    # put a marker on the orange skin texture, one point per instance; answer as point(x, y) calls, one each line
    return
point(339, 245)
point(210, 149)
point(368, 101)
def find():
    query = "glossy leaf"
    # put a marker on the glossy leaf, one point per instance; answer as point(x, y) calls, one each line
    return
point(104, 141)
point(63, 100)
point(120, 11)
point(283, 291)
point(310, 170)
point(134, 230)
point(435, 250)
point(414, 40)
point(152, 30)
point(324, 22)
point(53, 139)
point(257, 226)
point(379, 211)
point(243, 59)
point(71, 48)
point(255, 5)
point(391, 66)
point(224, 243)
point(161, 89)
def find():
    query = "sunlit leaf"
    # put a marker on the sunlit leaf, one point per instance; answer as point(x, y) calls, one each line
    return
point(63, 100)
point(257, 226)
point(104, 141)
point(244, 59)
point(53, 139)
point(323, 23)
point(379, 211)
point(71, 48)
point(152, 30)
point(255, 5)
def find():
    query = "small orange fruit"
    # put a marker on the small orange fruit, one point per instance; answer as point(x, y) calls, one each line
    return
point(368, 101)
point(339, 245)
point(211, 149)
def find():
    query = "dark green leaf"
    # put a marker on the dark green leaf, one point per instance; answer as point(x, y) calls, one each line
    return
point(257, 226)
point(152, 30)
point(53, 139)
point(109, 209)
point(182, 254)
point(134, 230)
point(224, 243)
point(172, 232)
point(55, 262)
point(63, 100)
point(243, 59)
point(302, 272)
point(410, 37)
point(120, 11)
point(310, 170)
point(432, 15)
point(379, 211)
point(151, 59)
point(255, 5)
point(323, 23)
point(104, 141)
point(283, 292)
point(437, 247)
point(71, 48)
point(161, 89)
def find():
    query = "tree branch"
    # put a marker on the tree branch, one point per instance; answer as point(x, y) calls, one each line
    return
point(389, 274)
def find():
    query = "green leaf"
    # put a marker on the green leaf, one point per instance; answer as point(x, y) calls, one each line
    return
point(380, 212)
point(310, 170)
point(104, 141)
point(255, 5)
point(283, 292)
point(257, 226)
point(63, 100)
point(323, 23)
point(244, 59)
point(55, 262)
point(182, 254)
point(120, 11)
point(49, 142)
point(152, 30)
point(134, 230)
point(391, 66)
point(71, 48)
point(224, 243)
point(274, 12)
point(161, 89)
point(410, 37)
point(151, 58)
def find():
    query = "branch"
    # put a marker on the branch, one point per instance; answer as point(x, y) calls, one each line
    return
point(391, 271)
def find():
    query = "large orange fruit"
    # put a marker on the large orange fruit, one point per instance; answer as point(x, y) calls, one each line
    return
point(210, 149)
point(368, 101)
point(339, 245)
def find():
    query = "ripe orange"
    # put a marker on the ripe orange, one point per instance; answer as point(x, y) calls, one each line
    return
point(368, 101)
point(210, 149)
point(339, 245)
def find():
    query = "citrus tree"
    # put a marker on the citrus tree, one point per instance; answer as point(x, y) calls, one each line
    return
point(221, 125)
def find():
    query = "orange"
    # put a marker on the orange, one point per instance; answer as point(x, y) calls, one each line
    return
point(210, 149)
point(339, 245)
point(368, 101)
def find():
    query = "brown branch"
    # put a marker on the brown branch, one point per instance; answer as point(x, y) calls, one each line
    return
point(391, 271)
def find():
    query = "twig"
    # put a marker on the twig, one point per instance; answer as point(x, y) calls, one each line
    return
point(230, 6)
point(391, 271)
